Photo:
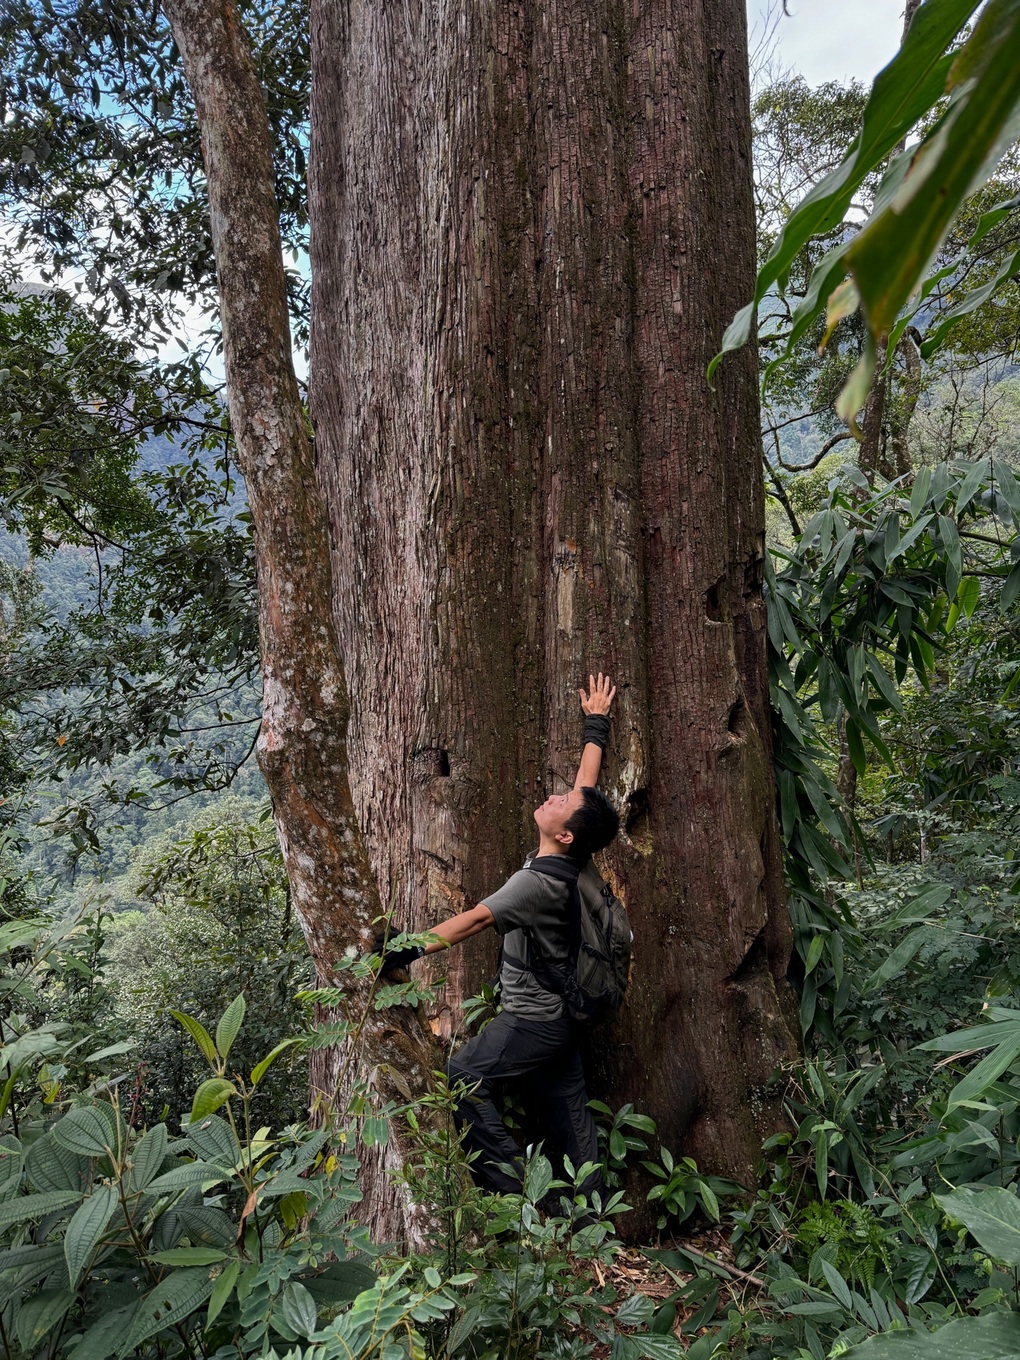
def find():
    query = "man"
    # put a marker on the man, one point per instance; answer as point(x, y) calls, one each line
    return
point(533, 1038)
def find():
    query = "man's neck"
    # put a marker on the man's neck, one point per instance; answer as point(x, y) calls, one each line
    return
point(548, 846)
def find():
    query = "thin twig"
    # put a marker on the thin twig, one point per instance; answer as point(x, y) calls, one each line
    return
point(724, 1265)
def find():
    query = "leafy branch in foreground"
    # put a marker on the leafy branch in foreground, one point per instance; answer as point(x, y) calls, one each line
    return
point(884, 265)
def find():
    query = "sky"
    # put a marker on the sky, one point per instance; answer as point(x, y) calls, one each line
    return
point(829, 40)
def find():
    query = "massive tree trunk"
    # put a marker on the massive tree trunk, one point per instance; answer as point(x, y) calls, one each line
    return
point(530, 224)
point(301, 746)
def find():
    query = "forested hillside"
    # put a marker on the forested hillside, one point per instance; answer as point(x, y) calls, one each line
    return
point(618, 467)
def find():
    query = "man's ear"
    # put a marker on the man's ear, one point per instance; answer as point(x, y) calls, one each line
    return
point(564, 837)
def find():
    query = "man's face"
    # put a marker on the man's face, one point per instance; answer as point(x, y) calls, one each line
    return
point(554, 814)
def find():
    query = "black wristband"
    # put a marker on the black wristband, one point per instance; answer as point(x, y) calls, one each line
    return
point(596, 730)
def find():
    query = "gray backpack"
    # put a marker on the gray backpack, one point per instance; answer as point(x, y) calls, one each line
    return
point(593, 978)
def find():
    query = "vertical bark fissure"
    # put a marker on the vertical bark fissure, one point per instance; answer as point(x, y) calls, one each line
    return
point(301, 746)
point(573, 185)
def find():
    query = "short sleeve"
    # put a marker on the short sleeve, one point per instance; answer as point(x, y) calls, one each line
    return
point(513, 905)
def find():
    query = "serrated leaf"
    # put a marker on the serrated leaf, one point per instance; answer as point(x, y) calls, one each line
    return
point(104, 1337)
point(229, 1024)
point(39, 1315)
point(210, 1096)
point(200, 1035)
point(214, 1140)
point(147, 1156)
point(86, 1228)
point(50, 1166)
point(191, 1173)
point(170, 1302)
point(87, 1130)
point(26, 1207)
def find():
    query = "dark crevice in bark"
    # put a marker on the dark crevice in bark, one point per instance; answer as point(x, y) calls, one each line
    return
point(755, 961)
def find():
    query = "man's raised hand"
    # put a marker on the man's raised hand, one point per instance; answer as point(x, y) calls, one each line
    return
point(599, 696)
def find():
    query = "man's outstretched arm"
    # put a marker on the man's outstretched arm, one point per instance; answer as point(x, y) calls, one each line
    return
point(445, 935)
point(595, 705)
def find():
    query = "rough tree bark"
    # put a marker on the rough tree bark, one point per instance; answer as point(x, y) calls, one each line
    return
point(302, 743)
point(530, 224)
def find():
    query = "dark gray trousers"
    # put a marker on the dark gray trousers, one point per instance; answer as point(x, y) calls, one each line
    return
point(543, 1058)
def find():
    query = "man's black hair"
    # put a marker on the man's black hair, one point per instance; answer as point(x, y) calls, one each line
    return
point(594, 825)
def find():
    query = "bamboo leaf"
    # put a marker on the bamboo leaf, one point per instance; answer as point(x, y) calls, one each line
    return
point(897, 961)
point(984, 1073)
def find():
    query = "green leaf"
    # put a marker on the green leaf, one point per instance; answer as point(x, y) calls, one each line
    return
point(913, 533)
point(147, 1156)
point(86, 1228)
point(919, 494)
point(991, 1215)
point(635, 1311)
point(261, 1068)
point(897, 960)
point(1010, 589)
point(884, 682)
point(339, 1283)
point(977, 1036)
point(815, 950)
point(229, 1025)
point(40, 1315)
point(928, 900)
point(210, 1096)
point(189, 1256)
point(838, 1285)
point(971, 484)
point(994, 1336)
point(191, 1173)
point(50, 1166)
point(171, 1301)
point(104, 1337)
point(25, 1207)
point(297, 1309)
point(902, 93)
point(969, 594)
point(87, 1130)
point(222, 1290)
point(890, 254)
point(1009, 488)
point(200, 1035)
point(987, 1071)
